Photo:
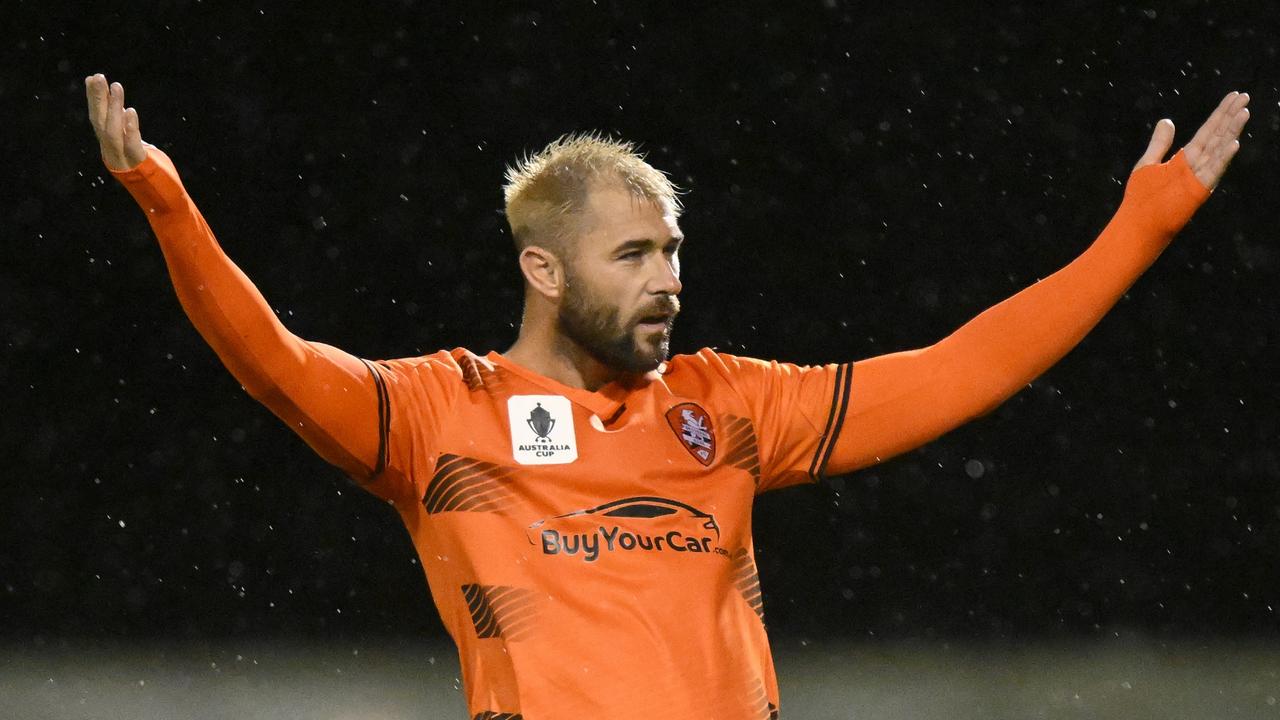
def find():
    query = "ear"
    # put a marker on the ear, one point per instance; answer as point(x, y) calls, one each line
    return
point(543, 271)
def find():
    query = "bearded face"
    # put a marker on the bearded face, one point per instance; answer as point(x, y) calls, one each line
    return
point(634, 342)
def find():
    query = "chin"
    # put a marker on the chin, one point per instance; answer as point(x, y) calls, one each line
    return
point(652, 359)
point(646, 352)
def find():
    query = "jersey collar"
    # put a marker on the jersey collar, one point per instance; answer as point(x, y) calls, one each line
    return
point(607, 402)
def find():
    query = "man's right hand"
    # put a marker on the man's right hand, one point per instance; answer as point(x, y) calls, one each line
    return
point(115, 126)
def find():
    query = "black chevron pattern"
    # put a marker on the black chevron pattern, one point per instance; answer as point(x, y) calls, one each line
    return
point(743, 453)
point(500, 611)
point(463, 484)
point(747, 580)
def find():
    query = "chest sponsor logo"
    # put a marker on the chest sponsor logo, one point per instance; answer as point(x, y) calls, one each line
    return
point(692, 426)
point(645, 525)
point(542, 429)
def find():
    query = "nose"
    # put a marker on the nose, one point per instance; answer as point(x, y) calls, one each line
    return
point(666, 278)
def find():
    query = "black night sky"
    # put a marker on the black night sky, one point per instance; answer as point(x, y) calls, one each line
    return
point(862, 177)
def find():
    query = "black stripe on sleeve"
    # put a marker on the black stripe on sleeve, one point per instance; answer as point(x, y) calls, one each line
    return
point(826, 430)
point(835, 421)
point(384, 417)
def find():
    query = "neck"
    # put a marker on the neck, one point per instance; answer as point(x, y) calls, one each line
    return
point(545, 351)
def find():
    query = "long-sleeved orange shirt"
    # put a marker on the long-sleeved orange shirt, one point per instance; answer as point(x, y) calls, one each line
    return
point(590, 552)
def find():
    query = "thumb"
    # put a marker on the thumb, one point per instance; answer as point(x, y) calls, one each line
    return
point(1161, 141)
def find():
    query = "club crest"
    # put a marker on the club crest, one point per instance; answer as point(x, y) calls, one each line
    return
point(692, 426)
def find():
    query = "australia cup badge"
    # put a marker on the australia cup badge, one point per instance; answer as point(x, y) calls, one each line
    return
point(542, 429)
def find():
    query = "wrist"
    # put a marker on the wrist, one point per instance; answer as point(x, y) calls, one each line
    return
point(1164, 196)
point(153, 183)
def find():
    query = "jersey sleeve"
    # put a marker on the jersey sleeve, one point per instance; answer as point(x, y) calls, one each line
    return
point(905, 399)
point(319, 391)
point(349, 410)
point(414, 397)
point(797, 412)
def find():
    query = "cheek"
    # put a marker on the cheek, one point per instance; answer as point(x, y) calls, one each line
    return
point(601, 308)
point(615, 301)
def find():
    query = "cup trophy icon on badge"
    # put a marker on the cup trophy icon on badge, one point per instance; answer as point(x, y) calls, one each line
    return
point(541, 423)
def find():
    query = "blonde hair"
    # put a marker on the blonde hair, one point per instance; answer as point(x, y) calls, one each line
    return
point(545, 193)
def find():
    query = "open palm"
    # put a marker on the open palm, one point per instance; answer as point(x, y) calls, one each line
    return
point(1214, 144)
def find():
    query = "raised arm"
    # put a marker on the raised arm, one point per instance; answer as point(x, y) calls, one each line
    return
point(900, 401)
point(322, 393)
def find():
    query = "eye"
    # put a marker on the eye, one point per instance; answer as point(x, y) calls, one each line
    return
point(631, 255)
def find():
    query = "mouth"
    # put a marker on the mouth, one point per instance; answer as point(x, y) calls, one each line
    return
point(656, 322)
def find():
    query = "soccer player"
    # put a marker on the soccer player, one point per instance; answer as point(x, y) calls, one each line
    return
point(582, 502)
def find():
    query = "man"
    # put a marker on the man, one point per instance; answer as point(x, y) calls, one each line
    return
point(582, 503)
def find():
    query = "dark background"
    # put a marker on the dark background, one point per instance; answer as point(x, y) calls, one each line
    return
point(862, 179)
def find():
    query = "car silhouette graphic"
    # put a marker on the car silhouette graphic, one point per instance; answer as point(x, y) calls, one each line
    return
point(640, 507)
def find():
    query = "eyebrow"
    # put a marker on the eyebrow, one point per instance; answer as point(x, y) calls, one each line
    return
point(645, 243)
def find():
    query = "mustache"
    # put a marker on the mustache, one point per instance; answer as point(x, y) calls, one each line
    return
point(668, 306)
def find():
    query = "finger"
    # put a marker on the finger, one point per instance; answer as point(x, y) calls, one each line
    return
point(1235, 121)
point(1228, 153)
point(1236, 124)
point(1226, 135)
point(1213, 123)
point(1210, 164)
point(131, 125)
point(94, 87)
point(88, 98)
point(1229, 126)
point(1226, 146)
point(1213, 170)
point(96, 91)
point(1161, 141)
point(115, 114)
point(133, 151)
point(1242, 118)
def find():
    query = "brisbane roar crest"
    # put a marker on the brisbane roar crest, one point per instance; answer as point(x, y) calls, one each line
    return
point(692, 426)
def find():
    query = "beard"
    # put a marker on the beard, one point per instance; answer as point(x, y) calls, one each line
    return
point(596, 327)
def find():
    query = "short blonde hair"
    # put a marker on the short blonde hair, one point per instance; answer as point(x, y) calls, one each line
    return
point(546, 192)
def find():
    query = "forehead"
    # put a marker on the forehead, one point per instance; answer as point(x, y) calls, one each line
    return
point(613, 214)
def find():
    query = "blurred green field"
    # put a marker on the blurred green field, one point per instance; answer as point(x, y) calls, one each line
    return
point(392, 680)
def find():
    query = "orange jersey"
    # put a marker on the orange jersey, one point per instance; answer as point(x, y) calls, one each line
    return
point(590, 552)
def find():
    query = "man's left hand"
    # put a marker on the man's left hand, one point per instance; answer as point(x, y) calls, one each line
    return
point(1214, 144)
